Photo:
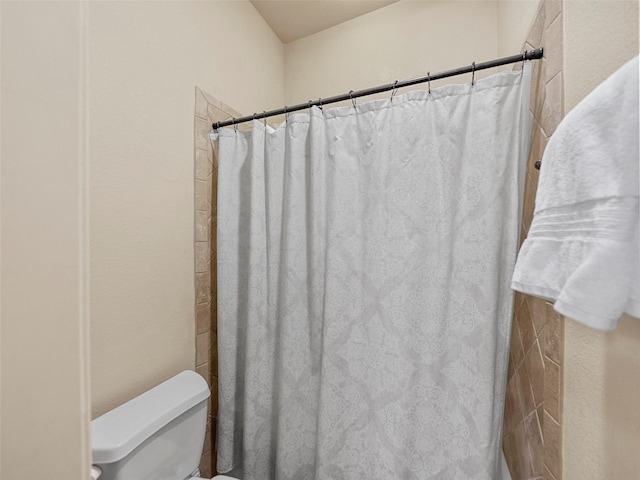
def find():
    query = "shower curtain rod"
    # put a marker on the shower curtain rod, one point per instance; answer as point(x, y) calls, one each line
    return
point(527, 55)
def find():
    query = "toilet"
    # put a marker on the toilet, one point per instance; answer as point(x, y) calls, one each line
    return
point(158, 435)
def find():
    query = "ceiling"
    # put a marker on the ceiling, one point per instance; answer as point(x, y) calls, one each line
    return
point(294, 19)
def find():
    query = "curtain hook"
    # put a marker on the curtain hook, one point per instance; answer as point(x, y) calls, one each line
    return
point(353, 100)
point(429, 81)
point(264, 118)
point(286, 115)
point(320, 103)
point(217, 125)
point(235, 125)
point(473, 73)
point(309, 105)
point(254, 115)
point(394, 91)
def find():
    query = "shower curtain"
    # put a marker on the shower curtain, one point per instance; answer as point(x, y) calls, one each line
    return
point(364, 260)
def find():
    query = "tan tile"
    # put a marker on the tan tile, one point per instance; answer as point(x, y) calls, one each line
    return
point(228, 109)
point(553, 339)
point(512, 407)
point(538, 82)
point(538, 144)
point(526, 395)
point(552, 9)
point(205, 371)
point(537, 308)
point(516, 354)
point(202, 196)
point(535, 32)
point(523, 234)
point(532, 179)
point(202, 348)
point(201, 105)
point(519, 304)
point(203, 288)
point(216, 114)
point(552, 389)
point(553, 47)
point(214, 395)
point(510, 369)
point(548, 475)
point(204, 167)
point(202, 129)
point(535, 367)
point(207, 438)
point(518, 299)
point(529, 201)
point(214, 459)
point(512, 456)
point(552, 435)
point(213, 225)
point(203, 257)
point(203, 318)
point(205, 466)
point(525, 326)
point(533, 431)
point(210, 99)
point(202, 226)
point(524, 454)
point(540, 411)
point(553, 107)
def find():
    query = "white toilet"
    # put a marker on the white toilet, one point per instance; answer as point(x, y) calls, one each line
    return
point(158, 435)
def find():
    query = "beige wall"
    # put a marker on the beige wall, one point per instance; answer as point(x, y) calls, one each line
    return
point(397, 42)
point(44, 399)
point(515, 18)
point(601, 387)
point(145, 60)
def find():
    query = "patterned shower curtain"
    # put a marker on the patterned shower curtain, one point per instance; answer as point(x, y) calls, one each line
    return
point(364, 260)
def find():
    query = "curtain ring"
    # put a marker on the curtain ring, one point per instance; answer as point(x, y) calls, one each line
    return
point(217, 125)
point(309, 105)
point(264, 118)
point(235, 125)
point(353, 100)
point(394, 91)
point(254, 115)
point(429, 81)
point(286, 115)
point(473, 73)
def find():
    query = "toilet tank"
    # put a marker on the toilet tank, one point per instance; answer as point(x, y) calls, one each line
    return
point(158, 435)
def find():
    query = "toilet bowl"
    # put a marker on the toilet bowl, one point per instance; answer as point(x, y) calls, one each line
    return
point(159, 434)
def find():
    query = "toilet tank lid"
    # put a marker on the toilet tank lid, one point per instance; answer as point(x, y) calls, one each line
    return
point(117, 433)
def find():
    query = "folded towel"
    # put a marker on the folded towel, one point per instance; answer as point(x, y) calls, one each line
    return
point(582, 249)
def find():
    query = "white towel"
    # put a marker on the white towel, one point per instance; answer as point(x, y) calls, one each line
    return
point(582, 249)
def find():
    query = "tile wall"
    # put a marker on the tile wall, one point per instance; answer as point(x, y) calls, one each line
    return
point(533, 409)
point(208, 111)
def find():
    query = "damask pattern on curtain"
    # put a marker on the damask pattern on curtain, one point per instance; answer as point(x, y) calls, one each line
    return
point(364, 308)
